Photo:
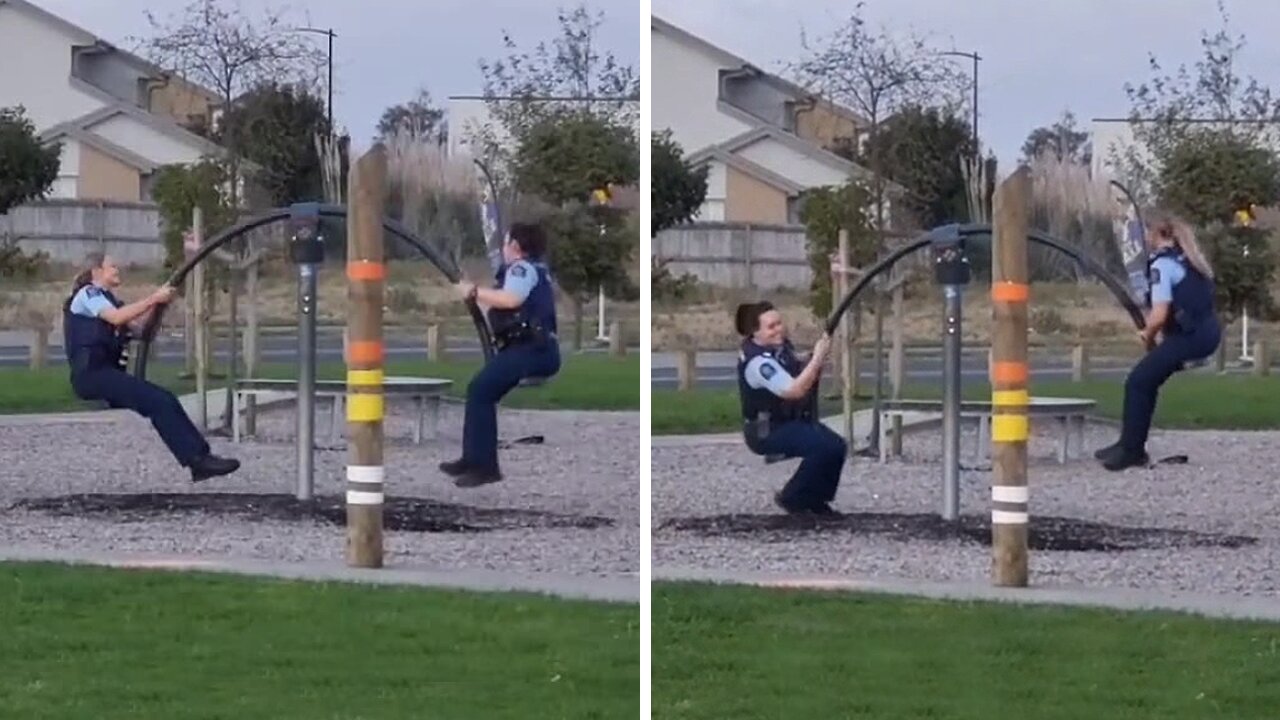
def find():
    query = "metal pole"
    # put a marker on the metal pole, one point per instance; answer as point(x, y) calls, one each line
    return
point(306, 379)
point(976, 153)
point(330, 33)
point(952, 295)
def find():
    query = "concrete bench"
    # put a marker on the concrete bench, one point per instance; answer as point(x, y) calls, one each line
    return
point(427, 393)
point(1069, 413)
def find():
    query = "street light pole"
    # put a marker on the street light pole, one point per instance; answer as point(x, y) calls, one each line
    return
point(975, 57)
point(331, 35)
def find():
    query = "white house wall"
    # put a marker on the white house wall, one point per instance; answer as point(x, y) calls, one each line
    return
point(685, 90)
point(68, 181)
point(152, 144)
point(712, 209)
point(39, 81)
point(798, 167)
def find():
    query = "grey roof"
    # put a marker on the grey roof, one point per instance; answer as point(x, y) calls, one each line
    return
point(753, 169)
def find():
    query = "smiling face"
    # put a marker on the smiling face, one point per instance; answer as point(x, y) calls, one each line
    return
point(107, 275)
point(511, 251)
point(772, 330)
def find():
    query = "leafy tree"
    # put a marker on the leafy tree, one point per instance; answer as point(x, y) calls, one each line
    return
point(1204, 149)
point(178, 190)
point(921, 148)
point(418, 118)
point(676, 190)
point(565, 157)
point(1061, 139)
point(591, 247)
point(825, 212)
point(27, 167)
point(275, 126)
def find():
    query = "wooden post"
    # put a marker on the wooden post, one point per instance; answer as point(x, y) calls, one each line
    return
point(1079, 364)
point(39, 347)
point(435, 343)
point(366, 287)
point(1261, 360)
point(1009, 398)
point(843, 337)
point(897, 351)
point(202, 328)
point(687, 369)
point(617, 346)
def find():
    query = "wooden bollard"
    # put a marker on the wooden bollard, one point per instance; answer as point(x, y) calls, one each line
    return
point(39, 348)
point(617, 344)
point(1009, 397)
point(1261, 360)
point(687, 369)
point(435, 344)
point(1079, 364)
point(366, 356)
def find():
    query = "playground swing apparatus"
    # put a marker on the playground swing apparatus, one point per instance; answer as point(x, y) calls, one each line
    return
point(306, 248)
point(952, 271)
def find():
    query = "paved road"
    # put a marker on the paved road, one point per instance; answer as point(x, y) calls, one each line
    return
point(274, 348)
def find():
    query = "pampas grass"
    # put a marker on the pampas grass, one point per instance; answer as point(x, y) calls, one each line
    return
point(1076, 208)
point(435, 195)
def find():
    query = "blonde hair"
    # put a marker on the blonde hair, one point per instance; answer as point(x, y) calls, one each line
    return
point(1179, 232)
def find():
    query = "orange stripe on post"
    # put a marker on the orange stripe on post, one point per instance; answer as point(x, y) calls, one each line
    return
point(366, 352)
point(366, 270)
point(1009, 373)
point(1010, 292)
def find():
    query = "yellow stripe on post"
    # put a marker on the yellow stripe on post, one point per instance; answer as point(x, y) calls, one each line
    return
point(1010, 398)
point(364, 377)
point(364, 407)
point(1009, 428)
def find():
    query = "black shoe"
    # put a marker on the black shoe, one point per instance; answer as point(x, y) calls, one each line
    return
point(791, 508)
point(474, 477)
point(454, 468)
point(211, 466)
point(1123, 460)
point(825, 511)
point(1107, 451)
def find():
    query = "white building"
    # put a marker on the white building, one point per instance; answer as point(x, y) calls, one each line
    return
point(117, 116)
point(763, 139)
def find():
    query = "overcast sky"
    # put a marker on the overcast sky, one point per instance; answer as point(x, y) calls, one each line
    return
point(1039, 56)
point(387, 49)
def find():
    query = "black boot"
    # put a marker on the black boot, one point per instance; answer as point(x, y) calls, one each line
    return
point(1124, 459)
point(211, 466)
point(454, 468)
point(1107, 451)
point(791, 508)
point(475, 477)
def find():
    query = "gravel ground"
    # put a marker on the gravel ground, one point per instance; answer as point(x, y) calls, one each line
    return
point(588, 466)
point(1227, 487)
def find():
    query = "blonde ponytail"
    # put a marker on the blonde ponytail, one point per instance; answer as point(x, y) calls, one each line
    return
point(1178, 231)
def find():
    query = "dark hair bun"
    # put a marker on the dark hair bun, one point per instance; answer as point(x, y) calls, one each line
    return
point(747, 318)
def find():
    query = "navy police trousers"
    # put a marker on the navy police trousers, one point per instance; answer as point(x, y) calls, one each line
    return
point(1144, 381)
point(123, 391)
point(487, 388)
point(823, 452)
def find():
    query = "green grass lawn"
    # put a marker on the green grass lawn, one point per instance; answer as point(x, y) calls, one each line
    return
point(585, 382)
point(1189, 401)
point(743, 653)
point(113, 644)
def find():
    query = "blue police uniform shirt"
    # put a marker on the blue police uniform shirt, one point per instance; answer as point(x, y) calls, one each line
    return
point(90, 301)
point(1166, 272)
point(768, 374)
point(520, 279)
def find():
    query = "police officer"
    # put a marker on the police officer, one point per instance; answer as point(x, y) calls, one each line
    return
point(96, 331)
point(779, 393)
point(1183, 315)
point(522, 315)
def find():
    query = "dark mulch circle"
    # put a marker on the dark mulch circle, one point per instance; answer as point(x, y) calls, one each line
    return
point(1046, 533)
point(398, 514)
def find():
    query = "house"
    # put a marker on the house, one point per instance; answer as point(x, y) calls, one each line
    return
point(117, 116)
point(763, 139)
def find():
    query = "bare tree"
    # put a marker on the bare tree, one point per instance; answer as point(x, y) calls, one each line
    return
point(877, 75)
point(215, 44)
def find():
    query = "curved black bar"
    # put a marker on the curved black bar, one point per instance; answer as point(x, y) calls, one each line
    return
point(1036, 236)
point(450, 269)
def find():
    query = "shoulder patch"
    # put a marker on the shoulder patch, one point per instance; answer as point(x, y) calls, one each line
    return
point(1155, 275)
point(519, 270)
point(768, 370)
point(92, 291)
